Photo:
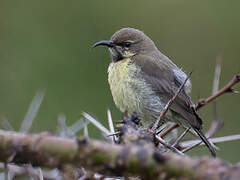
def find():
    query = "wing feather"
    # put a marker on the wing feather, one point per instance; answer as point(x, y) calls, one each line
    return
point(159, 73)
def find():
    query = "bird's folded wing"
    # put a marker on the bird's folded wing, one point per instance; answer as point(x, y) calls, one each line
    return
point(161, 78)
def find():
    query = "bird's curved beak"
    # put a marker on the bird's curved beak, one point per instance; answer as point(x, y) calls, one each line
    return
point(103, 43)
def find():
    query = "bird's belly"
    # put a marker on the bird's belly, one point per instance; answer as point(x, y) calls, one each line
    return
point(130, 92)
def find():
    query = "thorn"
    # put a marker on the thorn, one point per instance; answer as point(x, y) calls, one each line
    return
point(96, 123)
point(111, 126)
point(114, 134)
point(235, 91)
point(32, 111)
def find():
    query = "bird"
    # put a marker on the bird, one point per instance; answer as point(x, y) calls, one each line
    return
point(143, 80)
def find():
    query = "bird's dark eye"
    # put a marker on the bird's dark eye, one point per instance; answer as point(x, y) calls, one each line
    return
point(127, 44)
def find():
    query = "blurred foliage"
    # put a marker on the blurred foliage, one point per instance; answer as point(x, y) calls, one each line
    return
point(46, 45)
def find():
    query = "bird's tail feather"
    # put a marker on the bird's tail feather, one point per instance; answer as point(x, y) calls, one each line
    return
point(206, 142)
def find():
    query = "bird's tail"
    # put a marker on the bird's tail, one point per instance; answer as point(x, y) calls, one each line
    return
point(206, 142)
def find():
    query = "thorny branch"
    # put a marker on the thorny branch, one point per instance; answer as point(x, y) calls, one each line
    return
point(142, 160)
point(227, 88)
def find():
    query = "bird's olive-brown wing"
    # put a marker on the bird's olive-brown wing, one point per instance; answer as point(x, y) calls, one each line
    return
point(161, 78)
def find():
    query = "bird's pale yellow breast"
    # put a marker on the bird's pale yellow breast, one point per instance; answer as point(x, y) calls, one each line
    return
point(130, 91)
point(118, 71)
point(120, 80)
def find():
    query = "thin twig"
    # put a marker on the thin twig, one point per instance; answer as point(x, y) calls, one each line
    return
point(157, 122)
point(65, 131)
point(111, 127)
point(198, 142)
point(217, 75)
point(164, 133)
point(96, 123)
point(62, 127)
point(216, 123)
point(162, 128)
point(114, 134)
point(180, 137)
point(40, 174)
point(213, 140)
point(85, 130)
point(174, 134)
point(77, 126)
point(216, 86)
point(32, 111)
point(225, 89)
point(191, 147)
point(160, 140)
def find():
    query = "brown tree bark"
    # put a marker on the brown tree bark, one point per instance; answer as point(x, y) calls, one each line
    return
point(49, 151)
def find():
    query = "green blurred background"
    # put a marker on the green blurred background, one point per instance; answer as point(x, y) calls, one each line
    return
point(46, 45)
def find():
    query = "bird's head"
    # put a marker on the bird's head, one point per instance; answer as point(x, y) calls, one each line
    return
point(127, 42)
